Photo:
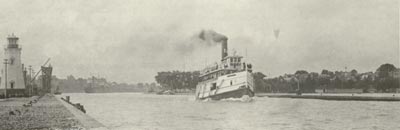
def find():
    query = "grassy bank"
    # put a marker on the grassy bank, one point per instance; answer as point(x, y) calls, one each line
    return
point(45, 113)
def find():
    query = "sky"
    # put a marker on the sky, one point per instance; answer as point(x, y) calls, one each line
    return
point(131, 40)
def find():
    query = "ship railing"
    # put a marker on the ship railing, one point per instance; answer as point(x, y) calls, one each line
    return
point(210, 72)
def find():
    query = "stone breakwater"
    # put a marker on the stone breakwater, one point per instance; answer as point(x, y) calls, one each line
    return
point(86, 121)
point(39, 113)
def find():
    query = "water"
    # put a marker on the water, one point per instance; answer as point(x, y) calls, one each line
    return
point(128, 111)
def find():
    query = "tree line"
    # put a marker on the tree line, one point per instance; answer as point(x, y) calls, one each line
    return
point(175, 80)
point(72, 84)
point(386, 78)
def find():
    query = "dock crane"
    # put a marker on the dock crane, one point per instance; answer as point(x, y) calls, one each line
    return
point(37, 73)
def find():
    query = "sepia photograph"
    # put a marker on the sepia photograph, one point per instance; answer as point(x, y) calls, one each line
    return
point(199, 65)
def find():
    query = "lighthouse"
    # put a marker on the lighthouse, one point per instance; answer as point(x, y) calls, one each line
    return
point(12, 80)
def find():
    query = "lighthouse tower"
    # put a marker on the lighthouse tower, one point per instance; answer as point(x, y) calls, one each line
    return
point(13, 75)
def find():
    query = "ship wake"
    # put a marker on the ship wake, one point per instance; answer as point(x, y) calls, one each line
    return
point(244, 98)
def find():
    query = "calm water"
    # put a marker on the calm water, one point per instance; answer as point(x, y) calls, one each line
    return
point(181, 112)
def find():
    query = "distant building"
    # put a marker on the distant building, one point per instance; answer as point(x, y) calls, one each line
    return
point(302, 77)
point(319, 90)
point(288, 77)
point(324, 76)
point(345, 76)
point(368, 75)
point(341, 90)
point(12, 77)
point(371, 90)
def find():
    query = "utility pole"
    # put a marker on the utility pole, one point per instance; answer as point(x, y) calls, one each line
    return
point(5, 77)
point(30, 82)
point(298, 86)
point(92, 85)
point(184, 63)
point(344, 76)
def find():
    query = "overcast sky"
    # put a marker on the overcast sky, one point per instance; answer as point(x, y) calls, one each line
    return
point(130, 41)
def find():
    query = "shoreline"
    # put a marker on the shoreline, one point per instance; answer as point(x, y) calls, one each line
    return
point(337, 96)
point(333, 94)
point(42, 113)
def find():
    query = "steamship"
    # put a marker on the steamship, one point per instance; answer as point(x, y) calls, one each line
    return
point(231, 78)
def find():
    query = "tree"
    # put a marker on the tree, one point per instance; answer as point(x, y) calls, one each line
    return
point(301, 72)
point(309, 85)
point(353, 72)
point(70, 78)
point(327, 72)
point(385, 82)
point(383, 70)
point(259, 83)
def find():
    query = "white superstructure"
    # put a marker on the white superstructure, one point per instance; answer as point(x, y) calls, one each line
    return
point(230, 78)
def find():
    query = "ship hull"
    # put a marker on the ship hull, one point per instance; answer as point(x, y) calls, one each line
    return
point(234, 85)
point(231, 94)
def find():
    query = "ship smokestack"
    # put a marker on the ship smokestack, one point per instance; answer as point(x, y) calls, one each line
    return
point(224, 48)
point(212, 38)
